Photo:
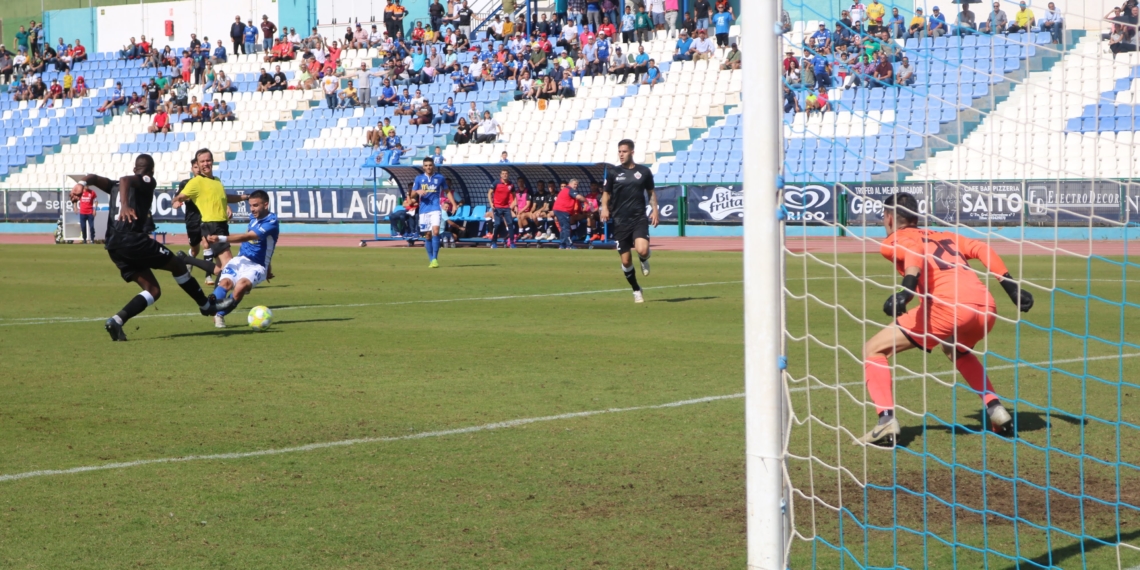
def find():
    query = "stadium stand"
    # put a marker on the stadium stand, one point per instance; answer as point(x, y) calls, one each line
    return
point(1047, 124)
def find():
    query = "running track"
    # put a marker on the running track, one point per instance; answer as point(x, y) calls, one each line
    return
point(819, 245)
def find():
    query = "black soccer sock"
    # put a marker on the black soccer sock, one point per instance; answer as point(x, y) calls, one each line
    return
point(206, 265)
point(136, 305)
point(631, 277)
point(886, 416)
point(190, 286)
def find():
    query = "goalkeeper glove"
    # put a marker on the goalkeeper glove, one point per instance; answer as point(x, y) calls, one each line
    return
point(896, 303)
point(1022, 299)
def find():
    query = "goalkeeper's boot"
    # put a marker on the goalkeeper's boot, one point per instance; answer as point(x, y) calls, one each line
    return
point(883, 432)
point(1000, 420)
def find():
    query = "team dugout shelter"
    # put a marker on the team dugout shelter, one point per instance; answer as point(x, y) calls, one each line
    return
point(471, 182)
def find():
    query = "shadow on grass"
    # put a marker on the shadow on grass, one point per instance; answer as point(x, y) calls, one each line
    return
point(1055, 557)
point(1022, 421)
point(239, 329)
point(682, 299)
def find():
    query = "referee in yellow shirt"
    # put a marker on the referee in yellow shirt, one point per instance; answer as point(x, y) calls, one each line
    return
point(210, 196)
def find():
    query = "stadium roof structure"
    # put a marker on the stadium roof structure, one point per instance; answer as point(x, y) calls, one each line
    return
point(473, 180)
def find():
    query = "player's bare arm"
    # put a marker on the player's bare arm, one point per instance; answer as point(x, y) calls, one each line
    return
point(604, 206)
point(236, 238)
point(655, 213)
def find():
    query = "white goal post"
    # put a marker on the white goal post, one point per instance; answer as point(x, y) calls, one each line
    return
point(763, 383)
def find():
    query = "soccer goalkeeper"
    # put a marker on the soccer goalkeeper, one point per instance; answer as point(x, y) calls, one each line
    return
point(956, 310)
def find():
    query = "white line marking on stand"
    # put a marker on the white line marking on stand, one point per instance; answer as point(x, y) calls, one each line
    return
point(65, 320)
point(350, 442)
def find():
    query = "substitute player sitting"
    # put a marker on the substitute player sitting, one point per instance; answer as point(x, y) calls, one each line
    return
point(956, 310)
point(252, 265)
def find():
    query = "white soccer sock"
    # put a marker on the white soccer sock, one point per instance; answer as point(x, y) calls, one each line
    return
point(149, 298)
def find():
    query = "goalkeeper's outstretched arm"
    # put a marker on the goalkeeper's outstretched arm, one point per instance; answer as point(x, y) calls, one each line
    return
point(975, 249)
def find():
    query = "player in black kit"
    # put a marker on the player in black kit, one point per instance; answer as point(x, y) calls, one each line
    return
point(623, 201)
point(131, 248)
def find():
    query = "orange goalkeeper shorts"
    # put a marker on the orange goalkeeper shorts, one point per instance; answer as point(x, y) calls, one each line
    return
point(930, 325)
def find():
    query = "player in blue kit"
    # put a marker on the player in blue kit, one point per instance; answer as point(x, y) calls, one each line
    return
point(252, 265)
point(427, 188)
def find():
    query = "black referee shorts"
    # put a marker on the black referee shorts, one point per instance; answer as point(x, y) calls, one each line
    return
point(137, 254)
point(626, 232)
point(194, 232)
point(216, 229)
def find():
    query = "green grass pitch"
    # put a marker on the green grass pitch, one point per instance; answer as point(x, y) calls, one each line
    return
point(361, 348)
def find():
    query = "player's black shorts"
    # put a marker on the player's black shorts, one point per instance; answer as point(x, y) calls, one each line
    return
point(626, 231)
point(216, 229)
point(136, 253)
point(194, 232)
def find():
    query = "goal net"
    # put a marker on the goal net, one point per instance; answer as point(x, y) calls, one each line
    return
point(1016, 131)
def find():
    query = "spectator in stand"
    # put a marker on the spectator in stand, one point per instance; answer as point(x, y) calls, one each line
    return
point(652, 74)
point(590, 54)
point(391, 142)
point(566, 86)
point(722, 24)
point(689, 25)
point(463, 131)
point(186, 66)
point(358, 38)
point(817, 102)
point(116, 102)
point(467, 82)
point(488, 130)
point(68, 83)
point(643, 24)
point(199, 56)
point(22, 40)
point(896, 25)
point(702, 10)
point(280, 82)
point(7, 68)
point(161, 123)
point(404, 104)
point(607, 28)
point(1023, 20)
point(264, 81)
point(388, 96)
point(80, 88)
point(447, 114)
point(996, 22)
point(917, 28)
point(703, 47)
point(223, 112)
point(731, 59)
point(348, 97)
point(78, 52)
point(936, 25)
point(51, 94)
point(250, 37)
point(237, 34)
point(219, 54)
point(424, 114)
point(791, 103)
point(282, 50)
point(1052, 22)
point(905, 75)
point(875, 14)
point(884, 74)
point(330, 85)
point(967, 22)
point(569, 202)
point(684, 47)
point(194, 110)
point(821, 39)
point(628, 25)
point(223, 84)
point(364, 83)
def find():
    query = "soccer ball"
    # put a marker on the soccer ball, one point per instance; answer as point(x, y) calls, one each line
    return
point(260, 318)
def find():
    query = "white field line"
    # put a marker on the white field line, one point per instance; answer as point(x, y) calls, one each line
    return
point(443, 433)
point(64, 320)
point(350, 442)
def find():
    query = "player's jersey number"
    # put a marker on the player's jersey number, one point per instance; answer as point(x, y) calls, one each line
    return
point(944, 255)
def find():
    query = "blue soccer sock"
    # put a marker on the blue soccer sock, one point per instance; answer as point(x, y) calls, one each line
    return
point(219, 293)
point(427, 248)
point(434, 246)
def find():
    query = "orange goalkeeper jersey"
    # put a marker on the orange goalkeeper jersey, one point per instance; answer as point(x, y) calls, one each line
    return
point(942, 258)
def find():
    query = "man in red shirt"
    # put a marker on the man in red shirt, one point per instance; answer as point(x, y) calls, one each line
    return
point(955, 314)
point(502, 199)
point(161, 122)
point(78, 53)
point(55, 91)
point(86, 205)
point(568, 202)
